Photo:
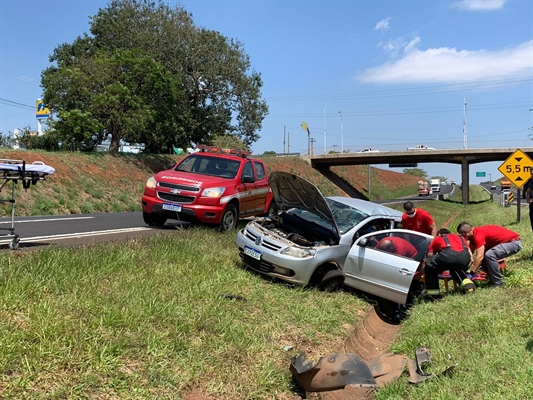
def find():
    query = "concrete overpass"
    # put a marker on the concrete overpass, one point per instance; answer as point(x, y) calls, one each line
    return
point(464, 157)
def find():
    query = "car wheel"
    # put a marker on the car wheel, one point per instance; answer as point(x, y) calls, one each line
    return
point(229, 219)
point(332, 281)
point(156, 220)
point(390, 311)
point(272, 209)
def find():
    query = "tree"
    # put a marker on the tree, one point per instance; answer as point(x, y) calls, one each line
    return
point(415, 172)
point(229, 142)
point(217, 93)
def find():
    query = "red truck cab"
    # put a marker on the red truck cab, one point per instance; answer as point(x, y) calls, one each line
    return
point(212, 186)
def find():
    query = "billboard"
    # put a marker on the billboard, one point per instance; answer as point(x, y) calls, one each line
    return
point(41, 111)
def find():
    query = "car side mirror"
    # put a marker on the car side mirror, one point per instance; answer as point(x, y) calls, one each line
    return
point(170, 166)
point(363, 242)
point(248, 179)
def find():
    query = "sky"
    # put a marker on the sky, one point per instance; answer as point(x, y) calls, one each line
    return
point(377, 74)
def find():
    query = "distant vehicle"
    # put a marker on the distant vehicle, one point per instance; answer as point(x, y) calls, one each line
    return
point(421, 147)
point(423, 188)
point(493, 187)
point(506, 186)
point(368, 150)
point(452, 183)
point(434, 185)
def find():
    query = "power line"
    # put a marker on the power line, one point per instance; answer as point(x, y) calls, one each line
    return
point(16, 104)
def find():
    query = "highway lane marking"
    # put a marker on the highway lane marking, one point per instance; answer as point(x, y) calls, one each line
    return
point(75, 235)
point(46, 220)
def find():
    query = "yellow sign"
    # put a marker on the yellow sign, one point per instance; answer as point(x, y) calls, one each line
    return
point(517, 168)
point(41, 111)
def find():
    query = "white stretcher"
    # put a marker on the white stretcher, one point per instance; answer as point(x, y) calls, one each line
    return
point(14, 171)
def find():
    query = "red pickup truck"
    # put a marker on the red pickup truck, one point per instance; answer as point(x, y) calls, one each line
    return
point(212, 186)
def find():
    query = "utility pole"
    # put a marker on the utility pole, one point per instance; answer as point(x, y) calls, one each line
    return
point(334, 147)
point(312, 140)
point(288, 142)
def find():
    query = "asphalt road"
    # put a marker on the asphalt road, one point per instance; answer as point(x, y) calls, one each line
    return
point(76, 229)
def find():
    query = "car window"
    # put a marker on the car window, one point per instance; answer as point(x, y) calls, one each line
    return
point(259, 170)
point(248, 171)
point(404, 244)
point(345, 216)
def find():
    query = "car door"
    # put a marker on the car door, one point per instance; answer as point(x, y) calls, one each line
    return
point(383, 274)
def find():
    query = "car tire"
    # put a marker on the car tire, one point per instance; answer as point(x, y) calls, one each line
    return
point(152, 219)
point(272, 209)
point(229, 219)
point(332, 281)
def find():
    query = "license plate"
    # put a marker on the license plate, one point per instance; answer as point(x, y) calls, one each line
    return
point(172, 207)
point(252, 252)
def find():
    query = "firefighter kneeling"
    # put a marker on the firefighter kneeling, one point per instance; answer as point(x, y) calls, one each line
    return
point(448, 252)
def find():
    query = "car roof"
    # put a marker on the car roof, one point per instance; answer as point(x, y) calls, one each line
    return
point(369, 207)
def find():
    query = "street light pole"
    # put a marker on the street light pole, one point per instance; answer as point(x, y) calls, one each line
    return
point(325, 128)
point(342, 135)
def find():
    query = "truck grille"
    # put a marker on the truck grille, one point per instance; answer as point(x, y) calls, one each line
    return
point(258, 265)
point(177, 198)
point(265, 243)
point(179, 187)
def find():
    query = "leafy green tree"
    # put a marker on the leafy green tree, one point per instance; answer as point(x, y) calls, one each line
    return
point(269, 153)
point(229, 142)
point(415, 172)
point(217, 92)
point(442, 178)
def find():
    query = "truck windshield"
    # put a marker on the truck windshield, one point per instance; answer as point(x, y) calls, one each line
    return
point(213, 166)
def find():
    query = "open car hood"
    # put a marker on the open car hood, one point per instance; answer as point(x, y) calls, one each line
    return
point(292, 191)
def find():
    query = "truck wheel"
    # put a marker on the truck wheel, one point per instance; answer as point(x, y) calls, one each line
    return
point(229, 219)
point(154, 219)
point(332, 281)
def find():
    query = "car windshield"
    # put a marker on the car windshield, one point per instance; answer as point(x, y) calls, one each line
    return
point(206, 165)
point(345, 216)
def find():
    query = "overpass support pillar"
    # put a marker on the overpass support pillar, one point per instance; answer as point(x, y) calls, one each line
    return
point(465, 183)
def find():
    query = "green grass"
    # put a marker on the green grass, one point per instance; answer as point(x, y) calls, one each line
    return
point(149, 319)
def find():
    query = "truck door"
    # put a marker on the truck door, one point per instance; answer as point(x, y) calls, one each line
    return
point(247, 189)
point(261, 186)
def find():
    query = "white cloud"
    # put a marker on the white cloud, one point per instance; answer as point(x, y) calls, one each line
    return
point(383, 25)
point(479, 5)
point(447, 65)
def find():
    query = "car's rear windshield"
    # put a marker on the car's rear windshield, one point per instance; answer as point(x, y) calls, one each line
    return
point(206, 165)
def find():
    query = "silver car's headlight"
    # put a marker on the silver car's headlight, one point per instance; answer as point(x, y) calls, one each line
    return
point(298, 252)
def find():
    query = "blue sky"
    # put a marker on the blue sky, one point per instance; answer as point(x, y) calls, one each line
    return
point(381, 74)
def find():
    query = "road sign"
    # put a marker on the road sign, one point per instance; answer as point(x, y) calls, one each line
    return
point(517, 168)
point(480, 174)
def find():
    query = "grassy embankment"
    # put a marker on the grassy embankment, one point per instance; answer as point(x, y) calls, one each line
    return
point(149, 319)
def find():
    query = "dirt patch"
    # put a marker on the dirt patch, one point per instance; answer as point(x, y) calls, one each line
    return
point(370, 338)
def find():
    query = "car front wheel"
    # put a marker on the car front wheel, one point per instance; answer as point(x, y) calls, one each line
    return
point(332, 281)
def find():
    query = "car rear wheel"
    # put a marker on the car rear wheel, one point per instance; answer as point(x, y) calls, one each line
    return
point(332, 281)
point(152, 219)
point(229, 219)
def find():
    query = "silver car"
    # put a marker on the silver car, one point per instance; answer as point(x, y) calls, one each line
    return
point(328, 242)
